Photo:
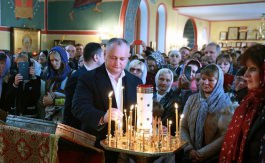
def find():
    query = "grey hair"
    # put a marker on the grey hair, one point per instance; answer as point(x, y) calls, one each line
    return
point(218, 48)
point(118, 41)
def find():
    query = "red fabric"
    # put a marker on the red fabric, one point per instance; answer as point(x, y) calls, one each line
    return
point(236, 135)
point(29, 3)
point(20, 145)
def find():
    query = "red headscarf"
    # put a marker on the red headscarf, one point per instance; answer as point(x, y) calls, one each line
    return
point(237, 132)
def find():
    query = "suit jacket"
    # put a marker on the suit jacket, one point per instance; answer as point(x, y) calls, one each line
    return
point(70, 87)
point(90, 101)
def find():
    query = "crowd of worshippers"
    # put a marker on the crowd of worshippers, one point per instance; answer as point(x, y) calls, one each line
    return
point(220, 93)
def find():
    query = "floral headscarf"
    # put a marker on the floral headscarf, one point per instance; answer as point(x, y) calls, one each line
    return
point(157, 56)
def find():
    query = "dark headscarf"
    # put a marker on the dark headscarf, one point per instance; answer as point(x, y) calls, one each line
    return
point(64, 70)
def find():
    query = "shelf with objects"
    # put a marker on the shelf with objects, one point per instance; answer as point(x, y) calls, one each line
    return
point(238, 37)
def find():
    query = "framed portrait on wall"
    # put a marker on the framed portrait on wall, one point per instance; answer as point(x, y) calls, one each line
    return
point(232, 33)
point(25, 40)
point(252, 35)
point(243, 35)
point(223, 35)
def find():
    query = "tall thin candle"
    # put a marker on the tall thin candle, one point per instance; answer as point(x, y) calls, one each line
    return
point(180, 122)
point(109, 116)
point(177, 118)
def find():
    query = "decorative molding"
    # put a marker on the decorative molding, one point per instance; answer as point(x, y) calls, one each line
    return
point(129, 19)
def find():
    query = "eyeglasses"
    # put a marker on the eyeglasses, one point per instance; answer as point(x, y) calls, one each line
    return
point(137, 70)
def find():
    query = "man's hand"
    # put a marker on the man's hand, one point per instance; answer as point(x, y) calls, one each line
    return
point(116, 115)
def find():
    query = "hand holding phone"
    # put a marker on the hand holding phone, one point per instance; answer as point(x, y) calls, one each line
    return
point(187, 72)
point(23, 70)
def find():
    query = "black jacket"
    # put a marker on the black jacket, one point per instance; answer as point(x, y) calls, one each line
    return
point(90, 101)
point(70, 87)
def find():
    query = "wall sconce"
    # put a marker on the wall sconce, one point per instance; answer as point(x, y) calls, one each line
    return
point(261, 28)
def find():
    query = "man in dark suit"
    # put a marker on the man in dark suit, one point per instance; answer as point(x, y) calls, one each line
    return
point(90, 102)
point(93, 58)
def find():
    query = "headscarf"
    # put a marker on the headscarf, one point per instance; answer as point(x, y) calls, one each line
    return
point(217, 101)
point(61, 74)
point(157, 56)
point(6, 70)
point(235, 139)
point(163, 70)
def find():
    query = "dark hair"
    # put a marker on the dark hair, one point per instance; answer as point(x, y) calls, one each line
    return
point(45, 52)
point(224, 57)
point(256, 54)
point(2, 56)
point(91, 49)
point(241, 72)
point(78, 44)
point(148, 51)
point(185, 47)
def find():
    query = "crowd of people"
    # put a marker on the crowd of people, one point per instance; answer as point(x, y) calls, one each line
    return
point(221, 94)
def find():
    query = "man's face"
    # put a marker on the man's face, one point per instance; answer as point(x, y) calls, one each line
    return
point(211, 52)
point(117, 58)
point(101, 58)
point(2, 66)
point(79, 50)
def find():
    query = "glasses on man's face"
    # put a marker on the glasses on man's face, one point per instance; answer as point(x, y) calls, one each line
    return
point(137, 70)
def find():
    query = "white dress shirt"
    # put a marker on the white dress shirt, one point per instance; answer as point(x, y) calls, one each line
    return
point(117, 87)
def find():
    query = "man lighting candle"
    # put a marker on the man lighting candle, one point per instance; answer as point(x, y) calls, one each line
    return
point(90, 102)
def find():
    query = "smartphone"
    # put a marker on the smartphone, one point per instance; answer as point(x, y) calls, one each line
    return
point(187, 72)
point(23, 69)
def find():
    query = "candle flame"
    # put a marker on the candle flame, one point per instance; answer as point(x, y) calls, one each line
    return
point(176, 105)
point(110, 94)
point(182, 116)
point(170, 122)
point(131, 107)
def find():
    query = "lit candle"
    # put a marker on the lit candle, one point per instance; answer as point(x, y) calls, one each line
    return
point(126, 122)
point(130, 122)
point(180, 122)
point(169, 135)
point(177, 118)
point(109, 116)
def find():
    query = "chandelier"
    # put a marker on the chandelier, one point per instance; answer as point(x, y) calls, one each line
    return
point(261, 28)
